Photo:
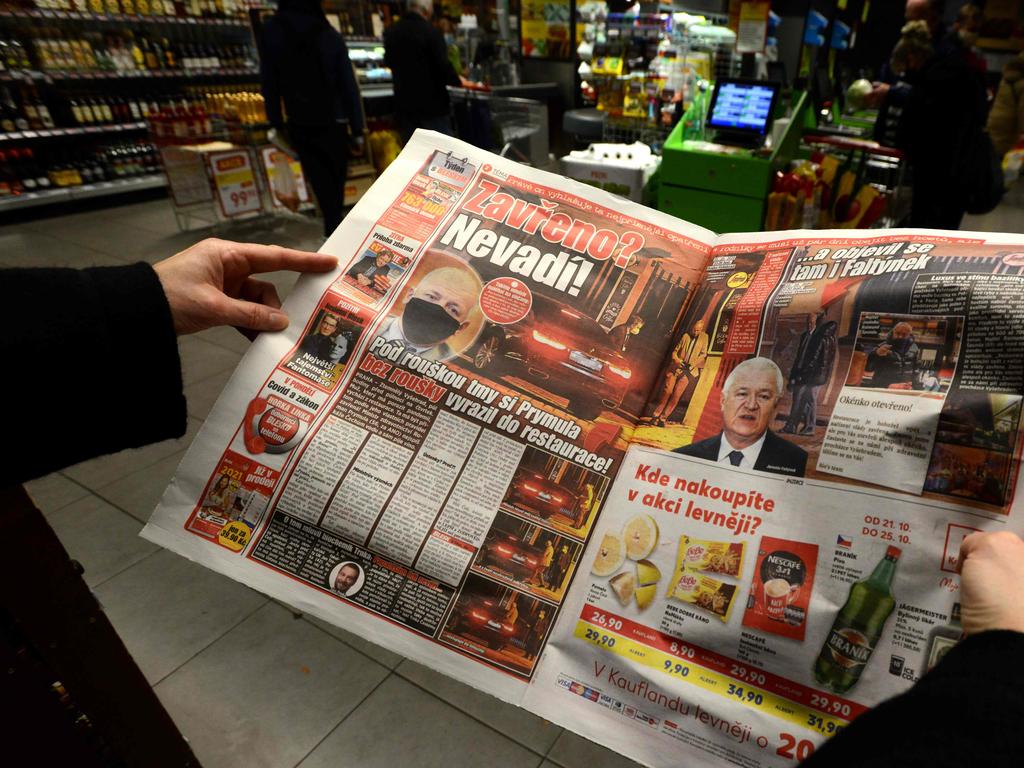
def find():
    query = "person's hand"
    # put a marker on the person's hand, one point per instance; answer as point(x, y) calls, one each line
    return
point(992, 582)
point(877, 95)
point(883, 350)
point(210, 284)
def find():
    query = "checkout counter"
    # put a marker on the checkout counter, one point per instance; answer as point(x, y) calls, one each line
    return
point(724, 187)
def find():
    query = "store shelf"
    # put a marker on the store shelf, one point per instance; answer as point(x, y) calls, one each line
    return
point(162, 74)
point(88, 130)
point(120, 18)
point(377, 91)
point(1000, 44)
point(100, 189)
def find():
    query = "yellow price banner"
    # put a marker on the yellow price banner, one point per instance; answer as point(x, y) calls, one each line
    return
point(682, 666)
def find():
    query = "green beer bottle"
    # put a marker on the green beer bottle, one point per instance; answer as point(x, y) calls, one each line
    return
point(857, 627)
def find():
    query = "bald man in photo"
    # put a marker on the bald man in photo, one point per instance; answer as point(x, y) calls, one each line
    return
point(440, 305)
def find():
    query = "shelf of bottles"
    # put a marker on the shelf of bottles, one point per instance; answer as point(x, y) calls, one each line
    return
point(194, 12)
point(82, 192)
point(68, 132)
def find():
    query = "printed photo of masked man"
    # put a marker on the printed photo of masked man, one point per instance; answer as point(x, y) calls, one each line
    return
point(439, 314)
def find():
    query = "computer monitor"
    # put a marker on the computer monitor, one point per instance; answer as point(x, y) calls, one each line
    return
point(741, 111)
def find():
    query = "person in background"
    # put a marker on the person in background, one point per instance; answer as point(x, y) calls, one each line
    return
point(933, 114)
point(1006, 118)
point(928, 11)
point(304, 65)
point(113, 312)
point(964, 37)
point(968, 709)
point(417, 55)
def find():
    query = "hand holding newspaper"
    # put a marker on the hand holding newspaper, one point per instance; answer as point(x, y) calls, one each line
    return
point(694, 497)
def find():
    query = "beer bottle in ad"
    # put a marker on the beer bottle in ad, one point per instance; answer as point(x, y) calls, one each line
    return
point(857, 627)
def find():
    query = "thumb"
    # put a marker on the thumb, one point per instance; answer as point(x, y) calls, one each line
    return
point(248, 314)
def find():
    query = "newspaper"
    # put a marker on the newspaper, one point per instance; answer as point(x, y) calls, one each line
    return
point(698, 498)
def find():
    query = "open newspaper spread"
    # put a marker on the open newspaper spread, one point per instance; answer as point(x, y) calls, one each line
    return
point(698, 498)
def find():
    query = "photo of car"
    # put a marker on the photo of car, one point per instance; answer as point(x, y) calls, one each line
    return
point(507, 552)
point(528, 556)
point(533, 492)
point(561, 350)
point(483, 619)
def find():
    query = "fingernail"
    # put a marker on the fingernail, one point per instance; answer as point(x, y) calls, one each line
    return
point(279, 320)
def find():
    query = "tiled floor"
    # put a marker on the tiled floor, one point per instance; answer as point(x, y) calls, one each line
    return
point(321, 696)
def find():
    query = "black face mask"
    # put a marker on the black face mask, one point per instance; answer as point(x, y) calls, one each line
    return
point(902, 345)
point(426, 324)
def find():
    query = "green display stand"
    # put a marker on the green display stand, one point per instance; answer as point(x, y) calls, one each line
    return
point(725, 188)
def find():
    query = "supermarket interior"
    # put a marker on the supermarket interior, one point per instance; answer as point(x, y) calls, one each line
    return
point(132, 129)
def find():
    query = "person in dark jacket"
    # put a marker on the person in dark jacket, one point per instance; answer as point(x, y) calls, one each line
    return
point(418, 58)
point(750, 400)
point(812, 368)
point(895, 360)
point(935, 114)
point(114, 312)
point(304, 66)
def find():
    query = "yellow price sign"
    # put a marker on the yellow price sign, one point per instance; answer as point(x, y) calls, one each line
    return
point(234, 536)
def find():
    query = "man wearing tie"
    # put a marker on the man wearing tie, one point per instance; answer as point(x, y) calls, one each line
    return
point(750, 399)
point(688, 359)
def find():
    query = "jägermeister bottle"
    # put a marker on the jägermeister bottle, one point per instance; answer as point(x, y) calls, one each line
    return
point(857, 627)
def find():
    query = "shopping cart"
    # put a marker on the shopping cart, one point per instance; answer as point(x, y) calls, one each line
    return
point(508, 126)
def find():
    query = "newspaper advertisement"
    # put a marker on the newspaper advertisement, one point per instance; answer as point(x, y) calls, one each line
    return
point(778, 552)
point(690, 496)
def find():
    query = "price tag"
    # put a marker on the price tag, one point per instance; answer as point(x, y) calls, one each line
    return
point(284, 192)
point(235, 181)
point(234, 536)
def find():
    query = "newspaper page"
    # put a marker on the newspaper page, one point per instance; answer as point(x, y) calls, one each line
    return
point(422, 456)
point(778, 553)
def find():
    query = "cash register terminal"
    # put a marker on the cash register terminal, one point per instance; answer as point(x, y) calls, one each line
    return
point(741, 111)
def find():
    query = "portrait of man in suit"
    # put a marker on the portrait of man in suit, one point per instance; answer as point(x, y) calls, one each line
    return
point(750, 399)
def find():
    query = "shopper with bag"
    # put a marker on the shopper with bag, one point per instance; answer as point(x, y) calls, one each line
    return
point(312, 98)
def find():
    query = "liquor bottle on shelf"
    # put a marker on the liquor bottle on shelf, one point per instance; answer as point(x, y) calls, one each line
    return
point(35, 107)
point(149, 55)
point(9, 183)
point(12, 109)
point(170, 58)
point(32, 176)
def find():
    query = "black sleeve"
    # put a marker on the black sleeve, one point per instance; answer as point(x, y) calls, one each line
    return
point(270, 78)
point(969, 710)
point(440, 60)
point(91, 363)
point(346, 77)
